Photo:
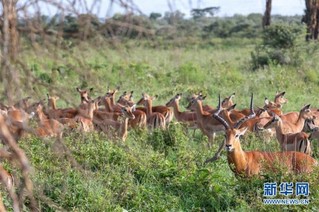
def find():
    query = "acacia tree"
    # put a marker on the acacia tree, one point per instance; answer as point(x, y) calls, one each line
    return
point(267, 14)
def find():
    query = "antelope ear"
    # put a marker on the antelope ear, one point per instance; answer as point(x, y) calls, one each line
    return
point(231, 107)
point(155, 97)
point(78, 89)
point(306, 107)
point(243, 130)
point(203, 97)
point(283, 93)
point(232, 96)
point(266, 101)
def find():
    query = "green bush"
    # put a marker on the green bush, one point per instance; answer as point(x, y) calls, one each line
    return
point(278, 46)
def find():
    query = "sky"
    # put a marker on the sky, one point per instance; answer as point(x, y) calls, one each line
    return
point(227, 7)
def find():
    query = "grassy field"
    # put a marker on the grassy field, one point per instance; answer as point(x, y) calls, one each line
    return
point(160, 171)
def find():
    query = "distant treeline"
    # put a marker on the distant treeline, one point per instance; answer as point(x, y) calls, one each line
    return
point(169, 26)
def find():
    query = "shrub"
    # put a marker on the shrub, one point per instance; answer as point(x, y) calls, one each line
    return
point(277, 47)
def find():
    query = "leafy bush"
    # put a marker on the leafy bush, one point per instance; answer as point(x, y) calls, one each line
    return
point(277, 47)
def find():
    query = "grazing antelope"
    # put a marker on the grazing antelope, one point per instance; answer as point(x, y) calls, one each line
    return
point(249, 163)
point(290, 141)
point(206, 123)
point(154, 119)
point(186, 117)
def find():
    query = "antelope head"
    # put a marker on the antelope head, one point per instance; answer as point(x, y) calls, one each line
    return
point(306, 113)
point(280, 98)
point(84, 94)
point(195, 101)
point(176, 98)
point(127, 112)
point(228, 101)
point(234, 132)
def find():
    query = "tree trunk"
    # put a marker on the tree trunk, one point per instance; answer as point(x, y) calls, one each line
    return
point(267, 15)
point(311, 19)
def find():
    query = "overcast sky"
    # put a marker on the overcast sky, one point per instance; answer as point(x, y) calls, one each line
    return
point(227, 7)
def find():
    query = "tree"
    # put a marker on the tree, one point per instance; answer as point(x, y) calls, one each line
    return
point(311, 19)
point(155, 16)
point(198, 13)
point(267, 14)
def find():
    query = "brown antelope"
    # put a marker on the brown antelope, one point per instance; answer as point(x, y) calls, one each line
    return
point(165, 111)
point(206, 123)
point(109, 101)
point(291, 141)
point(85, 98)
point(249, 163)
point(120, 126)
point(47, 127)
point(140, 120)
point(184, 117)
point(154, 119)
point(17, 121)
point(85, 117)
point(297, 126)
point(57, 113)
point(205, 107)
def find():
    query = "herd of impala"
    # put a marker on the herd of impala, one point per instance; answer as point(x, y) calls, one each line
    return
point(115, 117)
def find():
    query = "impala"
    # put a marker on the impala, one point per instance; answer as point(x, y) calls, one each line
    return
point(206, 123)
point(140, 120)
point(85, 117)
point(165, 111)
point(154, 119)
point(297, 126)
point(291, 141)
point(249, 163)
point(47, 127)
point(56, 113)
point(205, 107)
point(120, 126)
point(184, 117)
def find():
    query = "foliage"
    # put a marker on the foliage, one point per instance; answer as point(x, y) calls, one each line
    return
point(278, 46)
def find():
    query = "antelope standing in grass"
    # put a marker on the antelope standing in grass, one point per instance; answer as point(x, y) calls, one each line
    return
point(186, 117)
point(291, 141)
point(120, 127)
point(206, 123)
point(140, 120)
point(154, 119)
point(47, 127)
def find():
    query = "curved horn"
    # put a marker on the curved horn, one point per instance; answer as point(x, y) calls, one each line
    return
point(250, 116)
point(217, 117)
